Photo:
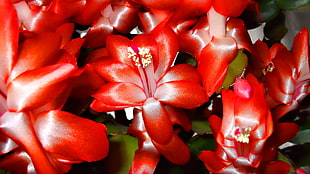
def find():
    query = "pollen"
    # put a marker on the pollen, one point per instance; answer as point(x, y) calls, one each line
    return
point(140, 56)
point(241, 134)
point(269, 68)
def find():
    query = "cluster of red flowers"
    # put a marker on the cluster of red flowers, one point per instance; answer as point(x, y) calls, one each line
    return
point(42, 67)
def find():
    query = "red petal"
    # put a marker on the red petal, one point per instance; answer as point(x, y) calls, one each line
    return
point(161, 4)
point(240, 33)
point(181, 72)
point(213, 62)
point(192, 94)
point(283, 132)
point(98, 33)
point(121, 94)
point(175, 151)
point(91, 11)
point(178, 116)
point(300, 51)
point(168, 47)
point(278, 166)
point(18, 127)
point(211, 161)
point(145, 161)
point(66, 31)
point(157, 121)
point(118, 48)
point(115, 71)
point(100, 106)
point(33, 88)
point(33, 49)
point(70, 137)
point(215, 124)
point(231, 8)
point(193, 8)
point(9, 38)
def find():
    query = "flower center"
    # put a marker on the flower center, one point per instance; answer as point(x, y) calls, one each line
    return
point(140, 56)
point(241, 134)
point(269, 68)
point(143, 60)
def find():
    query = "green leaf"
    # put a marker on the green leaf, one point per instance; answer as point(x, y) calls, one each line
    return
point(292, 4)
point(302, 137)
point(121, 154)
point(268, 10)
point(235, 69)
point(201, 126)
point(199, 143)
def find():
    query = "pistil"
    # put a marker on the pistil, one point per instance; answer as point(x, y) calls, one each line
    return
point(241, 134)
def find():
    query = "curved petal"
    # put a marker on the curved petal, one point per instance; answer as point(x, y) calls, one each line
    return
point(33, 19)
point(160, 4)
point(167, 47)
point(65, 31)
point(98, 33)
point(100, 106)
point(278, 166)
point(300, 51)
point(145, 161)
point(90, 12)
point(19, 128)
point(146, 157)
point(123, 15)
point(32, 88)
point(175, 151)
point(193, 8)
point(71, 138)
point(280, 83)
point(181, 72)
point(115, 71)
point(9, 38)
point(121, 94)
point(213, 62)
point(211, 161)
point(37, 51)
point(238, 30)
point(182, 94)
point(6, 144)
point(117, 46)
point(178, 116)
point(157, 121)
point(231, 8)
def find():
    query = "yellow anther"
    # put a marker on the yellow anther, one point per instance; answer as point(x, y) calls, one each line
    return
point(269, 68)
point(241, 134)
point(141, 58)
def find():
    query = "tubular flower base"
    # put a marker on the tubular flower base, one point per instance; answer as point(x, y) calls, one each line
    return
point(243, 131)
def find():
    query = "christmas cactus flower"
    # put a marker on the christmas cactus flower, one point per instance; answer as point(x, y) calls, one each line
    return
point(140, 75)
point(36, 136)
point(242, 132)
point(289, 79)
point(140, 69)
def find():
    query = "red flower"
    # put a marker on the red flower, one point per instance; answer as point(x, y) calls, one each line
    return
point(140, 74)
point(244, 129)
point(148, 154)
point(288, 82)
point(35, 135)
point(140, 69)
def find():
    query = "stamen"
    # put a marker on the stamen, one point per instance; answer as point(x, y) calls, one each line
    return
point(140, 56)
point(241, 134)
point(269, 68)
